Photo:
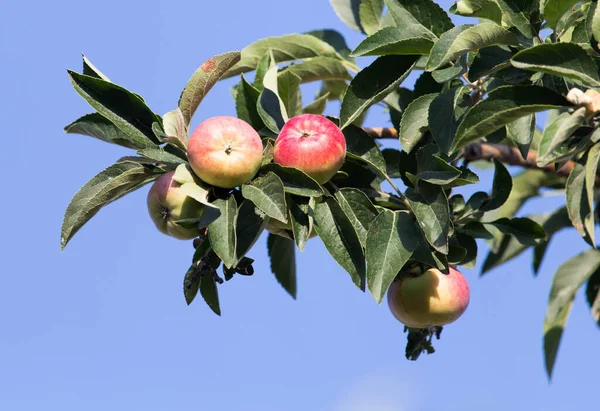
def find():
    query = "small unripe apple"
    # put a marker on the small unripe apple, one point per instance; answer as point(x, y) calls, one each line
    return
point(168, 203)
point(313, 144)
point(430, 299)
point(284, 229)
point(225, 151)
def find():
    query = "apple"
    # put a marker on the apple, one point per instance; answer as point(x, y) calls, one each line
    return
point(284, 229)
point(225, 151)
point(430, 299)
point(313, 144)
point(168, 203)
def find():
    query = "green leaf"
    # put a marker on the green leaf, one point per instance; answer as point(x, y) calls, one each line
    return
point(593, 22)
point(423, 12)
point(285, 48)
point(454, 71)
point(526, 231)
point(175, 126)
point(372, 84)
point(339, 237)
point(592, 293)
point(514, 12)
point(415, 121)
point(159, 155)
point(438, 171)
point(569, 277)
point(521, 133)
point(335, 39)
point(348, 11)
point(580, 213)
point(121, 107)
point(300, 209)
point(221, 232)
point(208, 290)
point(501, 187)
point(503, 106)
point(463, 39)
point(591, 166)
point(249, 225)
point(395, 41)
point(191, 284)
point(390, 242)
point(95, 125)
point(203, 80)
point(483, 9)
point(489, 61)
point(444, 114)
point(246, 104)
point(430, 206)
point(271, 108)
point(90, 70)
point(359, 209)
point(567, 60)
point(556, 143)
point(359, 143)
point(295, 181)
point(283, 262)
point(319, 68)
point(288, 86)
point(267, 193)
point(553, 10)
point(317, 106)
point(107, 186)
point(369, 12)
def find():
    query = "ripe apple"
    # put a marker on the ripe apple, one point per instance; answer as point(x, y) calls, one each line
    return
point(313, 144)
point(284, 229)
point(168, 203)
point(430, 299)
point(225, 151)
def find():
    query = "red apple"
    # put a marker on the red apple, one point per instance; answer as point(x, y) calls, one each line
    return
point(313, 144)
point(168, 203)
point(225, 151)
point(430, 299)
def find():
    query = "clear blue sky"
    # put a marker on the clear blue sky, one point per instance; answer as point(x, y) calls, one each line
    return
point(104, 326)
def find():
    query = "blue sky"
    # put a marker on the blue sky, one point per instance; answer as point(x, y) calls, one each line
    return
point(103, 325)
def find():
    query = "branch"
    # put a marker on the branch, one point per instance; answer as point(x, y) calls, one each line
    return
point(488, 151)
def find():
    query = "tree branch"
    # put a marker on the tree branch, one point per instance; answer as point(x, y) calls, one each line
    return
point(488, 151)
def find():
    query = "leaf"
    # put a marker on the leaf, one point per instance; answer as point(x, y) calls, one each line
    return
point(501, 187)
point(349, 12)
point(591, 167)
point(208, 290)
point(444, 114)
point(415, 121)
point(270, 106)
point(159, 155)
point(120, 106)
point(317, 106)
point(267, 193)
point(191, 284)
point(283, 262)
point(395, 41)
point(438, 171)
point(372, 84)
point(369, 12)
point(424, 12)
point(249, 225)
point(90, 70)
point(359, 209)
point(463, 39)
point(340, 239)
point(483, 9)
point(288, 87)
point(390, 242)
point(335, 39)
point(556, 143)
point(569, 277)
point(504, 105)
point(96, 125)
point(514, 13)
point(577, 203)
point(430, 206)
point(553, 10)
point(221, 232)
point(521, 132)
point(567, 60)
point(203, 80)
point(300, 210)
point(319, 68)
point(285, 48)
point(359, 143)
point(295, 181)
point(454, 71)
point(246, 104)
point(107, 186)
point(488, 61)
point(175, 126)
point(592, 293)
point(525, 230)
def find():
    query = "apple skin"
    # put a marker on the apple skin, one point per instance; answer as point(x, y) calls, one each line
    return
point(168, 203)
point(313, 144)
point(225, 151)
point(284, 230)
point(431, 299)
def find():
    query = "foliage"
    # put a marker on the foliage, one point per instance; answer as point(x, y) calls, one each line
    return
point(480, 84)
